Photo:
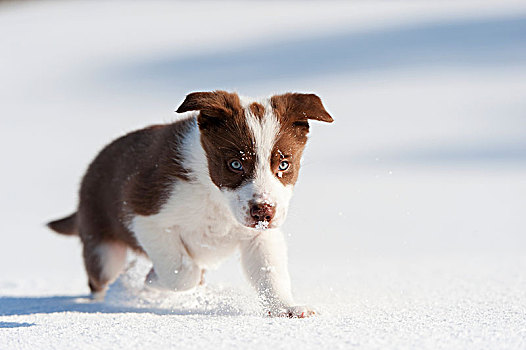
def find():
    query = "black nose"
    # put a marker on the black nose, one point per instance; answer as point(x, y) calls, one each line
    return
point(262, 212)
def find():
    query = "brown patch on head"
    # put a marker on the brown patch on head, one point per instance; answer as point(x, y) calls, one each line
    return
point(225, 135)
point(289, 149)
point(293, 111)
point(258, 110)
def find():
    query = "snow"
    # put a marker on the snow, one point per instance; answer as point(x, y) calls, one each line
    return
point(262, 225)
point(406, 229)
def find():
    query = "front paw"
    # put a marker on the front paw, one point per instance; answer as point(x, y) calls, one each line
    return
point(292, 312)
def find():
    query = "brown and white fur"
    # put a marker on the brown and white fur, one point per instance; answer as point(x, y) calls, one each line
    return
point(190, 193)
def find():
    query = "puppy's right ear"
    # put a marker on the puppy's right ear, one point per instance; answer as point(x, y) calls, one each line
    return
point(193, 102)
point(215, 104)
point(198, 101)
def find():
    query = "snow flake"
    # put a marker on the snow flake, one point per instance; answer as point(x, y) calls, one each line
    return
point(262, 225)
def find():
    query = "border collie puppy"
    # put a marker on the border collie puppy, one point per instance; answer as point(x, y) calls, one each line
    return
point(188, 194)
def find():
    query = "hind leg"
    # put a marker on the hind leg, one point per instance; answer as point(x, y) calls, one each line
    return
point(104, 261)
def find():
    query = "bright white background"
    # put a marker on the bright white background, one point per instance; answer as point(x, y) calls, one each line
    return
point(408, 225)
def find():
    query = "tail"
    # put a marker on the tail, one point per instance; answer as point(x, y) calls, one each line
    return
point(66, 226)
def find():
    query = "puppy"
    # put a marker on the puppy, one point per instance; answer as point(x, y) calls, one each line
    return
point(188, 194)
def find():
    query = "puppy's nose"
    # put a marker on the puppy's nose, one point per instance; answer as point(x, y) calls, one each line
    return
point(262, 212)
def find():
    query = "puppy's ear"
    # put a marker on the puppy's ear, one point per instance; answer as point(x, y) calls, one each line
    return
point(300, 107)
point(215, 104)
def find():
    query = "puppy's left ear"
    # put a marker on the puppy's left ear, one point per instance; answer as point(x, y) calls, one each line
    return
point(300, 107)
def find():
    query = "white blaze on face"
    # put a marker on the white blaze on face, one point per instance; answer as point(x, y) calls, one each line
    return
point(265, 187)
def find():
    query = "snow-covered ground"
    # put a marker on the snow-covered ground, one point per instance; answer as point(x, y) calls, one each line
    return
point(408, 225)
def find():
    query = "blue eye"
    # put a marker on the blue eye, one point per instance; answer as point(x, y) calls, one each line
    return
point(236, 165)
point(284, 165)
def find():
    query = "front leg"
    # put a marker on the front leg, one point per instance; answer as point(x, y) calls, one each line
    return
point(264, 259)
point(173, 266)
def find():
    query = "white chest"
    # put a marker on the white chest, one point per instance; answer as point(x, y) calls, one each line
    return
point(197, 219)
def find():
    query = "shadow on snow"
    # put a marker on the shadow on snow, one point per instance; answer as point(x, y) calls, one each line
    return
point(15, 324)
point(466, 43)
point(10, 306)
